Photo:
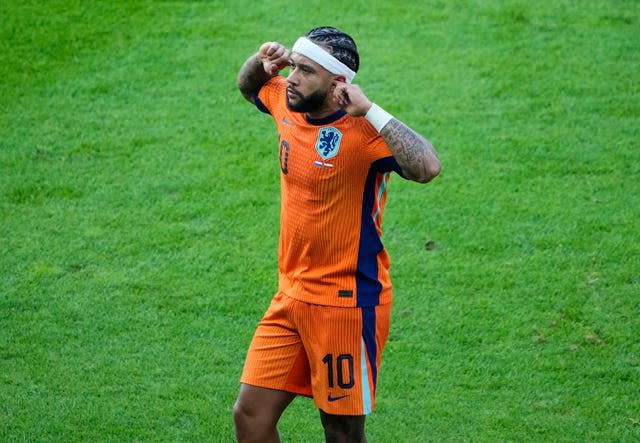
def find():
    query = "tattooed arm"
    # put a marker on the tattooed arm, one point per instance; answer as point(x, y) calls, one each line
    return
point(260, 67)
point(415, 155)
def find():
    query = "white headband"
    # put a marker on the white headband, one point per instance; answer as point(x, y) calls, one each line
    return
point(306, 47)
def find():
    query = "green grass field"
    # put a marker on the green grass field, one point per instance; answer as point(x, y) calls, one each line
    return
point(139, 207)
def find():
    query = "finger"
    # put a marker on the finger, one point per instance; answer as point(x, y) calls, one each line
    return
point(341, 99)
point(271, 49)
point(346, 98)
point(269, 67)
point(264, 49)
point(341, 94)
point(280, 52)
point(283, 60)
point(336, 94)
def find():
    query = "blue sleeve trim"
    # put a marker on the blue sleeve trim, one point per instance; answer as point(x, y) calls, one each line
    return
point(388, 164)
point(259, 103)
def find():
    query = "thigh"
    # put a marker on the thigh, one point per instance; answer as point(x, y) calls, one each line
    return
point(276, 358)
point(344, 347)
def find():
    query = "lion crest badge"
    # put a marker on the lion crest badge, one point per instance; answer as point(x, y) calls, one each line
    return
point(328, 143)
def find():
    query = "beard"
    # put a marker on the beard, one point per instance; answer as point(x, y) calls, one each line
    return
point(308, 103)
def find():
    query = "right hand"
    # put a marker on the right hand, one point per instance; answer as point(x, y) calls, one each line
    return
point(274, 57)
point(351, 98)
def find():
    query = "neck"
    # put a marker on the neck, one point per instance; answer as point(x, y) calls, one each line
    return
point(324, 111)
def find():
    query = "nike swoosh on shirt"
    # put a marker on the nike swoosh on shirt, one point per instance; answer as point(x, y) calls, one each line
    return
point(330, 398)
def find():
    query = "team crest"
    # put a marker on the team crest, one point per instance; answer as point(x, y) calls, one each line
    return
point(328, 142)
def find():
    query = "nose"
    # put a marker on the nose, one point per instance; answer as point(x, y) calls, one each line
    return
point(292, 77)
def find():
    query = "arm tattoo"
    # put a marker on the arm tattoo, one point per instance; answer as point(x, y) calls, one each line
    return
point(251, 77)
point(414, 154)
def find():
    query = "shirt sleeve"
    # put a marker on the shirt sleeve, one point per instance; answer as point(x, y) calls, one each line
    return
point(381, 156)
point(265, 98)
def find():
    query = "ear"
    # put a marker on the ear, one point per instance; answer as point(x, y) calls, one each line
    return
point(340, 78)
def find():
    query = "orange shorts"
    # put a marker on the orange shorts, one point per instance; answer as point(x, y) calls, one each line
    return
point(329, 353)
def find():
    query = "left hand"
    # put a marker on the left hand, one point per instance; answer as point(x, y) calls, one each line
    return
point(274, 57)
point(351, 98)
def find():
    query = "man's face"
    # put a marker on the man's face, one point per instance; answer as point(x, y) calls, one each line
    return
point(309, 85)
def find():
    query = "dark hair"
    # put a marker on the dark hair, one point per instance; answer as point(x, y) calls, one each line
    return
point(340, 45)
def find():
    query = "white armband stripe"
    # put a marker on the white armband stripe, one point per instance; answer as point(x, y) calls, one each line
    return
point(378, 117)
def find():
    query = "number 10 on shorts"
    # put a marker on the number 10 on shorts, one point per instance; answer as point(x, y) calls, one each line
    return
point(340, 370)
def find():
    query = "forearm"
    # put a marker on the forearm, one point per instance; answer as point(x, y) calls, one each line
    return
point(251, 77)
point(415, 155)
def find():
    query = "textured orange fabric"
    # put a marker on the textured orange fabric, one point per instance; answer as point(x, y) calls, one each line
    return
point(334, 175)
point(330, 353)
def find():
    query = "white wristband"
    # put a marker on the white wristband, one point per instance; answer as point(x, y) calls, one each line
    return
point(378, 117)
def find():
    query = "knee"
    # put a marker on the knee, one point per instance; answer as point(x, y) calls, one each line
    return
point(242, 418)
point(250, 424)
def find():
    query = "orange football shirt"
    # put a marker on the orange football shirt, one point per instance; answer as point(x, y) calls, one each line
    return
point(334, 176)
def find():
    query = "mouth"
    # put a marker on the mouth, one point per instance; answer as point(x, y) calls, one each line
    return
point(291, 94)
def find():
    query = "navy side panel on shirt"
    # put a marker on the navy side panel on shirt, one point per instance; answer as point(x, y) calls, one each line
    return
point(368, 286)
